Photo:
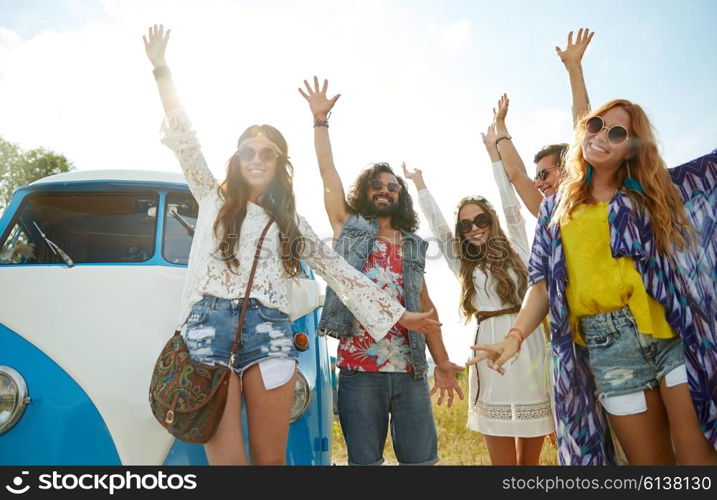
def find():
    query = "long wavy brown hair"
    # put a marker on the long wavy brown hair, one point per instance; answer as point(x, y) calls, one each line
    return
point(278, 202)
point(496, 258)
point(663, 203)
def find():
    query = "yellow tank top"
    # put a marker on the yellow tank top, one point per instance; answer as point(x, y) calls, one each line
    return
point(598, 282)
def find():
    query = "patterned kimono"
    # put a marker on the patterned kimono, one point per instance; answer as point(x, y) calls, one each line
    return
point(685, 285)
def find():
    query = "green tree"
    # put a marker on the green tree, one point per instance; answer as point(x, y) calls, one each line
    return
point(18, 167)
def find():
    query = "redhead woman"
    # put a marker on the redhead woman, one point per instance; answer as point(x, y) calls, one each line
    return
point(624, 259)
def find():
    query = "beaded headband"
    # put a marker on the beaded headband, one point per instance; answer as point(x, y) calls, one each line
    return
point(260, 139)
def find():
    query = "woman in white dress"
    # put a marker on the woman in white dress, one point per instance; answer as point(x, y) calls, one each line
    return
point(513, 412)
point(256, 195)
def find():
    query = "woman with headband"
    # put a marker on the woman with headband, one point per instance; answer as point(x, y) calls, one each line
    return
point(256, 196)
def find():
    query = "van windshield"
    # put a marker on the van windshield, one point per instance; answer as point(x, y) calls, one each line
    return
point(89, 227)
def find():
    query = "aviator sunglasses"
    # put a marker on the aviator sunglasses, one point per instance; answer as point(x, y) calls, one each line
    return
point(480, 221)
point(616, 134)
point(391, 187)
point(266, 154)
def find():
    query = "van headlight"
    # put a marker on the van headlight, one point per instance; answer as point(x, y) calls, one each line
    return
point(13, 397)
point(302, 397)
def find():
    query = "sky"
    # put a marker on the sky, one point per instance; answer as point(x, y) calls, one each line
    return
point(418, 80)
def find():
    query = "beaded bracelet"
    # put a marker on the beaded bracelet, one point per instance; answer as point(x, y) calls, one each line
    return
point(322, 123)
point(513, 332)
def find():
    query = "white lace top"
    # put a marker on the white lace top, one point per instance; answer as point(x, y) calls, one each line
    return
point(486, 298)
point(208, 274)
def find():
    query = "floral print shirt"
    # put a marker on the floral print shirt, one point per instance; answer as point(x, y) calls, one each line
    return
point(685, 286)
point(392, 353)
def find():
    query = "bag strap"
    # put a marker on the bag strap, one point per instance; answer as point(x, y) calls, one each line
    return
point(245, 302)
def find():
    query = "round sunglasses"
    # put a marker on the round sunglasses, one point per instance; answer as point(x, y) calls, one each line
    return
point(266, 154)
point(480, 221)
point(391, 187)
point(616, 134)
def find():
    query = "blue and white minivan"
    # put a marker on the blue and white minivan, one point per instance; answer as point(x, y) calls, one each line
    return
point(92, 265)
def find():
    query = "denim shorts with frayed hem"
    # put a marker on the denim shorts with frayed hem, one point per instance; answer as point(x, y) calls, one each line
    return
point(622, 359)
point(370, 402)
point(211, 326)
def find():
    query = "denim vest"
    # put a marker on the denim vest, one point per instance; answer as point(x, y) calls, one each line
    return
point(354, 245)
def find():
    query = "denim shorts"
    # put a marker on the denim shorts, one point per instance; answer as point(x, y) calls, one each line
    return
point(211, 327)
point(368, 400)
point(622, 359)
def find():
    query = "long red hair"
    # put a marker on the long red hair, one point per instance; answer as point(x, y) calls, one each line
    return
point(663, 203)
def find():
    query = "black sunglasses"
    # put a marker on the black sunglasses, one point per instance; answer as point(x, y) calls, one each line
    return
point(266, 155)
point(616, 134)
point(480, 221)
point(391, 187)
point(542, 174)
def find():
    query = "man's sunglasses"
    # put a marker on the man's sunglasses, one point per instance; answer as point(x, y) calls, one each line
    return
point(480, 221)
point(391, 187)
point(542, 174)
point(266, 154)
point(616, 134)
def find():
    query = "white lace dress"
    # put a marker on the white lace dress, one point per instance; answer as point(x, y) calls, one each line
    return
point(517, 403)
point(208, 274)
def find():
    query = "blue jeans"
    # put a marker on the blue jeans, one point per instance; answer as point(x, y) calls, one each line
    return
point(367, 399)
point(622, 359)
point(211, 328)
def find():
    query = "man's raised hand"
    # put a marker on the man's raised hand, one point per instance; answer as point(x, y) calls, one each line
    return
point(319, 103)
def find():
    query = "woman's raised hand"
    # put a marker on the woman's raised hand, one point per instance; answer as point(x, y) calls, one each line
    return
point(416, 176)
point(489, 137)
point(319, 104)
point(155, 44)
point(573, 53)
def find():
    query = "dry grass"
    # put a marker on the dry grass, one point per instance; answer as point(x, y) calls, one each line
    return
point(456, 444)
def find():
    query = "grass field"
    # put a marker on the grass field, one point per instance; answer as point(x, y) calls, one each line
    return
point(456, 444)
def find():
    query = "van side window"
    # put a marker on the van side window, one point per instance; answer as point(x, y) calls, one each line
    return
point(180, 221)
point(89, 227)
